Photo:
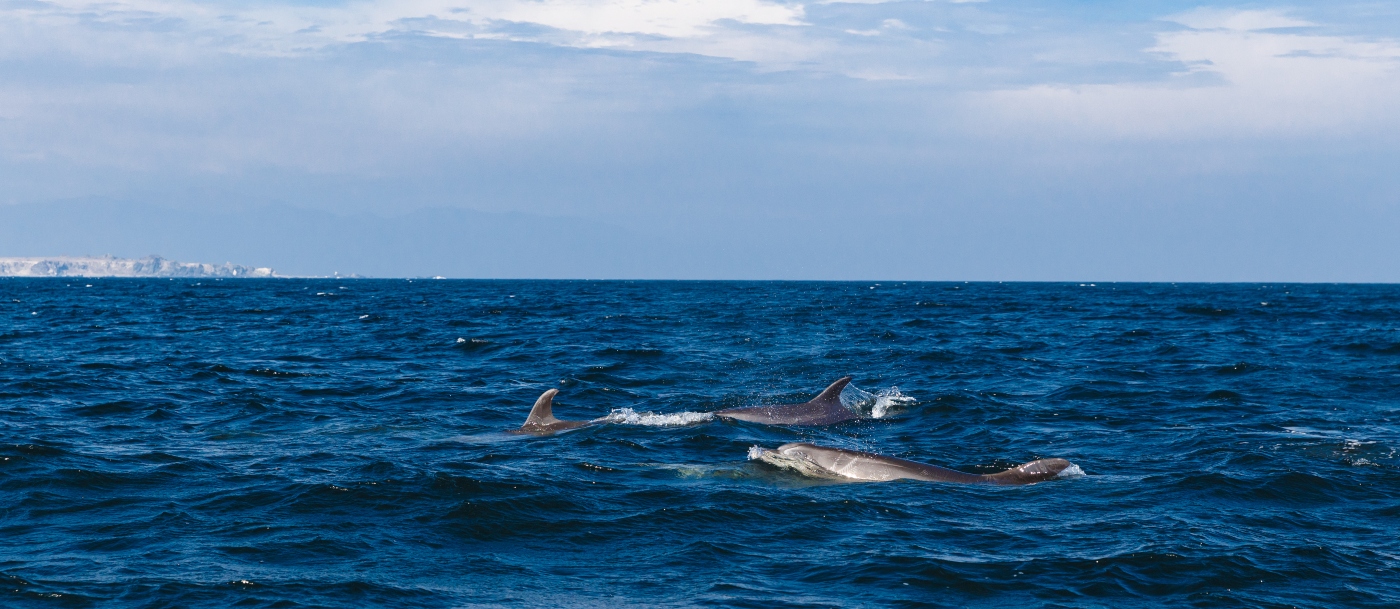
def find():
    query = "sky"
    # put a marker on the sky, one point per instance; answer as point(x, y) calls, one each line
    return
point(709, 139)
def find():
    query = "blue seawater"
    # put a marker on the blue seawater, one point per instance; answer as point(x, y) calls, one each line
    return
point(343, 443)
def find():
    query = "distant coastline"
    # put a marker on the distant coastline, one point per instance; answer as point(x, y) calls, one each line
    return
point(111, 266)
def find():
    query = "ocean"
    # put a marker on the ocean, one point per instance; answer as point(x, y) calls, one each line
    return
point(345, 443)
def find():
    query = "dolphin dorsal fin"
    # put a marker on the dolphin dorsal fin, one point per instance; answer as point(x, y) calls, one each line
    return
point(543, 412)
point(833, 392)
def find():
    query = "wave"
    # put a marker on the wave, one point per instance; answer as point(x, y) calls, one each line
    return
point(877, 405)
point(627, 416)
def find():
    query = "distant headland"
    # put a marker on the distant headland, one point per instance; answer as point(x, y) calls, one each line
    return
point(111, 266)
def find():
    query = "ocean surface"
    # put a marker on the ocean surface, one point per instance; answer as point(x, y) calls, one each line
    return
point(344, 443)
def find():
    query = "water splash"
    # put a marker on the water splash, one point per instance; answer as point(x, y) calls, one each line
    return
point(877, 405)
point(792, 463)
point(627, 416)
point(1072, 471)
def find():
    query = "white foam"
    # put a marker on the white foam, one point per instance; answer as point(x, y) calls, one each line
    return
point(1072, 471)
point(627, 416)
point(1312, 433)
point(876, 405)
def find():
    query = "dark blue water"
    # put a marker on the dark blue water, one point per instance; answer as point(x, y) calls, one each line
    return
point(321, 443)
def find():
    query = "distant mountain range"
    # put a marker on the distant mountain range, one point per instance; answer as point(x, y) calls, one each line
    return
point(111, 266)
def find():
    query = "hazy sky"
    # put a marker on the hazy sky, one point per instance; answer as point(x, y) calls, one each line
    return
point(997, 140)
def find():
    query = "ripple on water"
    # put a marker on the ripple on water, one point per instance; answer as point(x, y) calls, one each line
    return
point(289, 442)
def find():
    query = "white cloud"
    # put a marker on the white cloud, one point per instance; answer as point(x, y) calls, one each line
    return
point(1242, 79)
point(670, 18)
point(188, 91)
point(888, 24)
point(262, 28)
point(1239, 21)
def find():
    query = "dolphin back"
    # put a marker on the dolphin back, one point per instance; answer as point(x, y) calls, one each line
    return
point(825, 409)
point(541, 420)
point(1030, 473)
point(829, 462)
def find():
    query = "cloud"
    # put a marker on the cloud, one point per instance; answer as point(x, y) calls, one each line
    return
point(1243, 78)
point(268, 28)
point(1238, 21)
point(148, 85)
point(904, 38)
point(916, 134)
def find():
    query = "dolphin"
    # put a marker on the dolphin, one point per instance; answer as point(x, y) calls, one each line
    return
point(827, 462)
point(541, 420)
point(824, 409)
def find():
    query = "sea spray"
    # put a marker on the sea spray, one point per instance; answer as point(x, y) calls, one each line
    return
point(628, 416)
point(791, 463)
point(875, 405)
point(1073, 471)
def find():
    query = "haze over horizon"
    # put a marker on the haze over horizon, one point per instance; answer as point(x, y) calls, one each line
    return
point(743, 139)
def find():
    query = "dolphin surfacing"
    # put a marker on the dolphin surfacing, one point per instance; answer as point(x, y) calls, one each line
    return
point(823, 461)
point(825, 409)
point(541, 420)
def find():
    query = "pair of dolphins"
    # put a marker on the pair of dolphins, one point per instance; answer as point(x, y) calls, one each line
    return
point(823, 461)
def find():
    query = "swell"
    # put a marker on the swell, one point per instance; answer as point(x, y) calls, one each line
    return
point(255, 444)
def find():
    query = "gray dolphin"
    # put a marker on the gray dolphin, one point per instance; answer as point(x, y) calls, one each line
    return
point(541, 420)
point(824, 409)
point(823, 461)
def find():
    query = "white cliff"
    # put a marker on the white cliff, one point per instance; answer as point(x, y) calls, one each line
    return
point(109, 266)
